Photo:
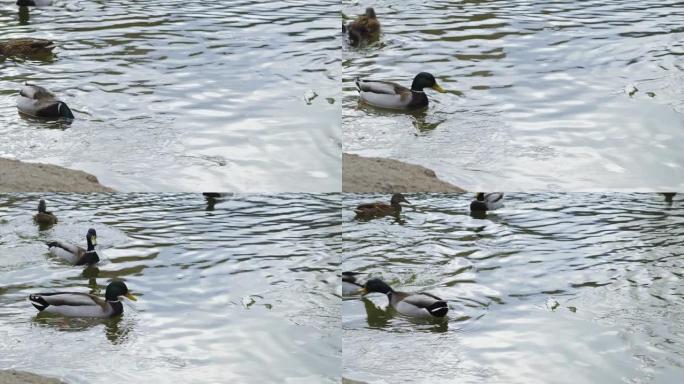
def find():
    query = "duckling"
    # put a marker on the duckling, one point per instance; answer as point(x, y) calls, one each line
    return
point(365, 28)
point(34, 3)
point(74, 254)
point(422, 305)
point(76, 304)
point(350, 286)
point(385, 94)
point(25, 47)
point(487, 201)
point(39, 102)
point(378, 209)
point(43, 217)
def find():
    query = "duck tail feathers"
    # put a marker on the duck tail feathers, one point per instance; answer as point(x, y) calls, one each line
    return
point(438, 309)
point(38, 302)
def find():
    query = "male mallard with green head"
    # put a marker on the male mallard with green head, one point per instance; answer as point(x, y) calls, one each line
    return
point(421, 305)
point(25, 47)
point(74, 254)
point(386, 94)
point(365, 28)
point(487, 201)
point(379, 209)
point(39, 102)
point(43, 217)
point(76, 304)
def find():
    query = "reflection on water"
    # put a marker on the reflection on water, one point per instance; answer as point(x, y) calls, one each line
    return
point(182, 95)
point(551, 286)
point(537, 91)
point(222, 294)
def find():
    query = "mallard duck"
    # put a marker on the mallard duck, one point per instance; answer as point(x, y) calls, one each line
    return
point(669, 196)
point(33, 3)
point(76, 304)
point(365, 27)
point(381, 209)
point(421, 304)
point(385, 94)
point(350, 286)
point(44, 217)
point(39, 102)
point(74, 254)
point(487, 201)
point(25, 47)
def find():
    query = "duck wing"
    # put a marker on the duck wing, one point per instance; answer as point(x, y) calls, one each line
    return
point(35, 92)
point(73, 304)
point(69, 252)
point(384, 94)
point(419, 304)
point(382, 87)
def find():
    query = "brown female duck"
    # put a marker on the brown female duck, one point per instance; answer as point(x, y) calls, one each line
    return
point(378, 209)
point(366, 28)
point(25, 47)
point(43, 217)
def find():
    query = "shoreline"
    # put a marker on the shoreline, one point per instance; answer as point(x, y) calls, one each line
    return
point(19, 176)
point(12, 376)
point(379, 175)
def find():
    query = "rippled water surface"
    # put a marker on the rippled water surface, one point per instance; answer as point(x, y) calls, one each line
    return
point(570, 95)
point(612, 263)
point(183, 95)
point(246, 292)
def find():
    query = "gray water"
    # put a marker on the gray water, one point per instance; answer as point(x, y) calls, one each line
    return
point(539, 92)
point(246, 292)
point(183, 95)
point(612, 262)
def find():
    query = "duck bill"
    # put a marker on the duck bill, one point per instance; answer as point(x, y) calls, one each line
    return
point(439, 89)
point(93, 240)
point(363, 291)
point(129, 296)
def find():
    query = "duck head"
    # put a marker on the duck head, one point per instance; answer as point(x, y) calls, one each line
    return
point(64, 111)
point(42, 207)
point(376, 285)
point(398, 198)
point(116, 289)
point(91, 238)
point(425, 80)
point(370, 13)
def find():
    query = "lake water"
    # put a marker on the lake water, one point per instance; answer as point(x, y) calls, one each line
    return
point(612, 263)
point(183, 95)
point(567, 95)
point(246, 292)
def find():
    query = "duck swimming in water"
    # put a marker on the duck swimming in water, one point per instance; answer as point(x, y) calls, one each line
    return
point(386, 94)
point(365, 28)
point(370, 210)
point(487, 201)
point(76, 304)
point(37, 101)
point(43, 217)
point(420, 305)
point(25, 47)
point(74, 254)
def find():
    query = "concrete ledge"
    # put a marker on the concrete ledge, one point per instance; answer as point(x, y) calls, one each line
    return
point(17, 176)
point(372, 174)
